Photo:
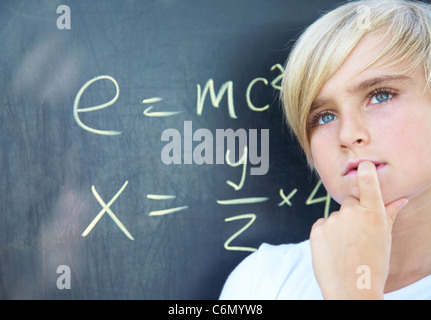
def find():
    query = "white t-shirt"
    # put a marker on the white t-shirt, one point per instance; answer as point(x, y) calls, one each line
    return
point(286, 272)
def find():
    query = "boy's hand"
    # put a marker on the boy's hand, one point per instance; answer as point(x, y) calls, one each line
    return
point(358, 234)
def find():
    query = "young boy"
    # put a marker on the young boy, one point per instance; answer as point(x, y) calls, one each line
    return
point(356, 94)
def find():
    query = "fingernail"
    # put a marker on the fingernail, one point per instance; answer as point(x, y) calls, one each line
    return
point(366, 165)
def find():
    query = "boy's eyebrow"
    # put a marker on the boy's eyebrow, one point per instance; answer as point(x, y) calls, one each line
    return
point(362, 86)
point(318, 102)
point(369, 83)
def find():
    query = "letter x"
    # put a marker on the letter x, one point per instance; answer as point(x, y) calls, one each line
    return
point(107, 209)
point(286, 199)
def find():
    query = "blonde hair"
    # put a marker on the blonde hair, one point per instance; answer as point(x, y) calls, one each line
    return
point(325, 44)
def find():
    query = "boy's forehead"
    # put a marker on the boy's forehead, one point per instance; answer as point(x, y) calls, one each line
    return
point(356, 74)
point(365, 52)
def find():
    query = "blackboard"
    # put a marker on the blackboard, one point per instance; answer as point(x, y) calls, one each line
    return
point(90, 206)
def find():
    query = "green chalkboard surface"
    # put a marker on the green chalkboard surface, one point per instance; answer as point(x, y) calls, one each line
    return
point(143, 148)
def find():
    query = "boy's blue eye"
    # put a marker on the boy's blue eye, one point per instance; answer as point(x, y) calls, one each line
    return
point(381, 97)
point(328, 117)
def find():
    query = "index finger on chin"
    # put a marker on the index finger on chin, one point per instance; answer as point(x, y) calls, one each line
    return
point(369, 187)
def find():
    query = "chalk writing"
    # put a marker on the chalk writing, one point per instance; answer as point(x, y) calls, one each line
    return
point(327, 199)
point(286, 199)
point(77, 110)
point(167, 211)
point(106, 208)
point(147, 112)
point(249, 103)
point(227, 245)
point(164, 211)
point(228, 87)
point(160, 196)
point(243, 200)
point(242, 160)
point(215, 98)
point(203, 153)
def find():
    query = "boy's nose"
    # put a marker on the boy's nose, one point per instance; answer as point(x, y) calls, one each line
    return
point(353, 131)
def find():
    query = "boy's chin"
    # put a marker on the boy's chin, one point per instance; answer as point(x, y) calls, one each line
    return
point(354, 193)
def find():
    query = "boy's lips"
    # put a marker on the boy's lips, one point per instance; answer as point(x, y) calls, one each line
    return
point(352, 166)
